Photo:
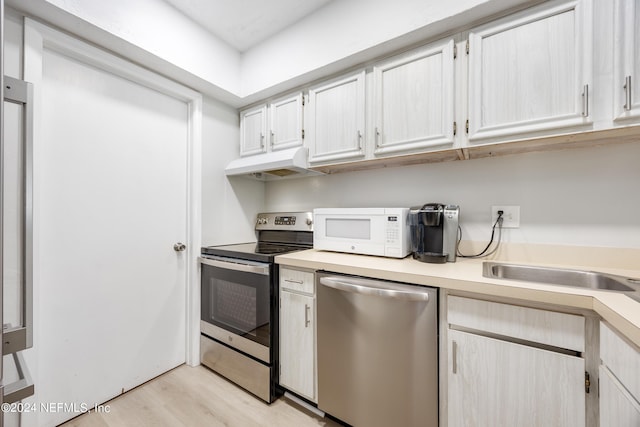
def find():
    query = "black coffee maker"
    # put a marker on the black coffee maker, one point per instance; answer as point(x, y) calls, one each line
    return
point(434, 232)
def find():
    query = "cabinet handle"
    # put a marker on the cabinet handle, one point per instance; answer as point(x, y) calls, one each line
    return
point(272, 138)
point(627, 93)
point(377, 138)
point(585, 101)
point(454, 356)
point(306, 315)
point(299, 282)
point(359, 140)
point(261, 140)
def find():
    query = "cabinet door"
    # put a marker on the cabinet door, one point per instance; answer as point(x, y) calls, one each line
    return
point(285, 130)
point(617, 407)
point(627, 61)
point(253, 127)
point(499, 383)
point(297, 343)
point(530, 73)
point(336, 118)
point(414, 100)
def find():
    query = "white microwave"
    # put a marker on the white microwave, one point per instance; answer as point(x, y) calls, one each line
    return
point(367, 231)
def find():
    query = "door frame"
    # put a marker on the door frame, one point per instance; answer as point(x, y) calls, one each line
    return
point(37, 38)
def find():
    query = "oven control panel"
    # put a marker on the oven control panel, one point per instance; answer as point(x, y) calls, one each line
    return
point(302, 221)
point(285, 220)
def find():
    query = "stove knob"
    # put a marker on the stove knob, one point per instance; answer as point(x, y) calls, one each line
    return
point(309, 221)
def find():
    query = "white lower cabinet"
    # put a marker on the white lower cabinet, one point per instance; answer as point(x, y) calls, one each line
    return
point(500, 383)
point(504, 370)
point(298, 332)
point(617, 407)
point(619, 381)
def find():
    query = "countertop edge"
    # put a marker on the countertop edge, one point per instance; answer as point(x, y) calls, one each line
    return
point(618, 310)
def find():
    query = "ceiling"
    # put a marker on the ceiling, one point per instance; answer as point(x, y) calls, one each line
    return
point(245, 23)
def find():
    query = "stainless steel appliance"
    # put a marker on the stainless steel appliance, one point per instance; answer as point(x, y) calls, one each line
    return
point(367, 231)
point(434, 232)
point(16, 240)
point(239, 295)
point(377, 351)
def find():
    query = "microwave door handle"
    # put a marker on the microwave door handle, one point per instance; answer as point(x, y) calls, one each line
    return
point(236, 266)
point(360, 287)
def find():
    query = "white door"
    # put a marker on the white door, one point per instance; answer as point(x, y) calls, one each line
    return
point(530, 73)
point(285, 130)
point(336, 119)
point(414, 94)
point(627, 61)
point(253, 126)
point(618, 408)
point(297, 350)
point(503, 384)
point(111, 202)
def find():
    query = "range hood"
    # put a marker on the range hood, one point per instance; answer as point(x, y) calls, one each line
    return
point(290, 163)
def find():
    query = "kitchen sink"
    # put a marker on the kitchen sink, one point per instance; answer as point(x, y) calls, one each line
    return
point(564, 277)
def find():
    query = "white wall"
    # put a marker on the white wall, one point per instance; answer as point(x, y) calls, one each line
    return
point(340, 35)
point(229, 206)
point(347, 32)
point(161, 30)
point(586, 197)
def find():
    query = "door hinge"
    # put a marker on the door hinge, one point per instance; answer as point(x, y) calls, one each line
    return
point(302, 133)
point(587, 382)
point(455, 51)
point(455, 128)
point(466, 127)
point(467, 46)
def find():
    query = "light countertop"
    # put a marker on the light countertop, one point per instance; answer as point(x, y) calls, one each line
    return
point(622, 312)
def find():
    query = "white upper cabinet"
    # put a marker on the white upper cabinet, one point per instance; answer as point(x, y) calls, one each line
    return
point(414, 100)
point(627, 61)
point(253, 130)
point(335, 121)
point(530, 73)
point(271, 127)
point(285, 122)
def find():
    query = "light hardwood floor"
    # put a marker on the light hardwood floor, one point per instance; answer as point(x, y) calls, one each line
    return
point(196, 396)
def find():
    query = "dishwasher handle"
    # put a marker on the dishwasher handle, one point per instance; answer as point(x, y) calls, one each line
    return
point(375, 288)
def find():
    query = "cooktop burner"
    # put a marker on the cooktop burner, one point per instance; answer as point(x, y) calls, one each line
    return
point(278, 233)
point(259, 251)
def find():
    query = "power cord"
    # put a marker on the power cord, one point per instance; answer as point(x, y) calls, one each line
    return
point(483, 254)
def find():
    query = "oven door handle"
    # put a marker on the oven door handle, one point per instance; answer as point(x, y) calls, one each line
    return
point(237, 266)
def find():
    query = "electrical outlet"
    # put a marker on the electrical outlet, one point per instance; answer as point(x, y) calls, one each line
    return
point(510, 216)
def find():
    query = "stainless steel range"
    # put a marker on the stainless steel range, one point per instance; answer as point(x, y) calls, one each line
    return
point(239, 297)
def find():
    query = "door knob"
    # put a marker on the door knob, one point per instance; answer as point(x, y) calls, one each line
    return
point(179, 247)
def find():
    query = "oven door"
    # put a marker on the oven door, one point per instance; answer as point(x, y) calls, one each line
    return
point(235, 304)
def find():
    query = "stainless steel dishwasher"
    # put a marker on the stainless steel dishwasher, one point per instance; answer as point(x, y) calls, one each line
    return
point(377, 351)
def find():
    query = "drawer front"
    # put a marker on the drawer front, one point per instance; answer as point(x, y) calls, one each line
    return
point(621, 358)
point(244, 371)
point(561, 330)
point(297, 280)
